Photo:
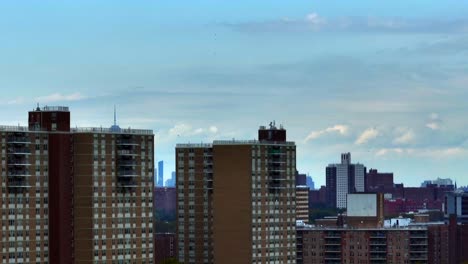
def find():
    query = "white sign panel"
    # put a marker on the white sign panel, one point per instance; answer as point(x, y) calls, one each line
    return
point(362, 204)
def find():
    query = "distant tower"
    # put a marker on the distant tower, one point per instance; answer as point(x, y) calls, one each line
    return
point(160, 182)
point(115, 127)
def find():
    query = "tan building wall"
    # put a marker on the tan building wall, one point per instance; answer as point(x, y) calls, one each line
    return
point(232, 204)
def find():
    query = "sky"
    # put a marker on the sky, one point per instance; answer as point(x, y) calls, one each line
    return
point(384, 80)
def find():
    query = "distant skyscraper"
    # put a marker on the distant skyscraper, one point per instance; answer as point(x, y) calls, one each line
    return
point(310, 183)
point(300, 179)
point(160, 182)
point(342, 179)
point(236, 200)
point(170, 182)
point(438, 182)
point(456, 203)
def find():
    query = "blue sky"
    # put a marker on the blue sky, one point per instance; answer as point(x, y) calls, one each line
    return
point(385, 80)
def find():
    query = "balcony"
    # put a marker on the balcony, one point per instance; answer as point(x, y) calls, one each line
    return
point(418, 248)
point(18, 161)
point(127, 173)
point(378, 249)
point(126, 142)
point(377, 235)
point(19, 140)
point(126, 163)
point(18, 173)
point(127, 152)
point(418, 256)
point(333, 235)
point(378, 242)
point(333, 248)
point(17, 185)
point(18, 150)
point(415, 242)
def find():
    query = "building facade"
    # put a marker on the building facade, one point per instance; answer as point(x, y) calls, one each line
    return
point(362, 245)
point(164, 247)
point(379, 181)
point(456, 203)
point(81, 195)
point(344, 178)
point(302, 203)
point(236, 200)
point(165, 200)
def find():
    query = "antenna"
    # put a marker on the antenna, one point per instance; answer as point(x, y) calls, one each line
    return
point(115, 116)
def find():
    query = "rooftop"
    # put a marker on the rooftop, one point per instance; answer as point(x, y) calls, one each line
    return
point(334, 228)
point(232, 142)
point(111, 131)
point(82, 130)
point(52, 109)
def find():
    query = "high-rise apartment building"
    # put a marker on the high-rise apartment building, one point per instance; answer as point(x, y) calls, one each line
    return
point(236, 200)
point(344, 178)
point(81, 195)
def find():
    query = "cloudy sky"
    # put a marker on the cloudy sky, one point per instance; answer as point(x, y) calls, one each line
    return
point(384, 80)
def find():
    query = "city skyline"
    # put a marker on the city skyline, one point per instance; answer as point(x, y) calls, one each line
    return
point(384, 81)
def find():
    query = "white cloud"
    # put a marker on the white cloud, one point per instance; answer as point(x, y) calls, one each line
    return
point(385, 151)
point(18, 100)
point(405, 138)
point(433, 125)
point(180, 130)
point(198, 131)
point(314, 19)
point(434, 116)
point(434, 121)
point(341, 129)
point(213, 129)
point(448, 152)
point(424, 152)
point(187, 130)
point(57, 97)
point(367, 135)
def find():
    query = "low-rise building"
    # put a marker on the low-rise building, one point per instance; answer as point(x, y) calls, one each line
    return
point(362, 245)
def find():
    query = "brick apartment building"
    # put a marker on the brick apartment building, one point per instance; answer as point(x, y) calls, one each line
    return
point(361, 245)
point(75, 195)
point(236, 200)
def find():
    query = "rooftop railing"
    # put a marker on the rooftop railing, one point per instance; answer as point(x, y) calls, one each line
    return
point(55, 108)
point(233, 142)
point(83, 130)
point(113, 131)
point(14, 128)
point(195, 145)
point(251, 142)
